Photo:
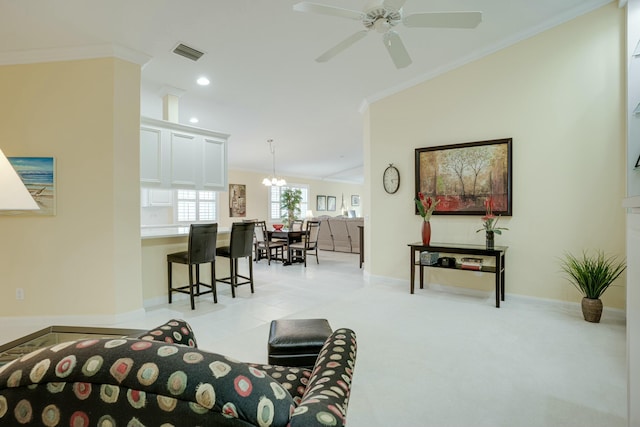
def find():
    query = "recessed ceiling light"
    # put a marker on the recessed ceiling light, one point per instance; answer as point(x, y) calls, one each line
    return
point(203, 81)
point(193, 120)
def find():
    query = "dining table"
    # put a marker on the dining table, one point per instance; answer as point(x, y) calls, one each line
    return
point(290, 236)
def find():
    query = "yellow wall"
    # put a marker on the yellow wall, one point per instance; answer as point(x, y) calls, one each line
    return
point(258, 195)
point(559, 95)
point(85, 260)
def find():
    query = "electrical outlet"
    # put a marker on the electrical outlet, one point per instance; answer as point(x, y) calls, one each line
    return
point(19, 293)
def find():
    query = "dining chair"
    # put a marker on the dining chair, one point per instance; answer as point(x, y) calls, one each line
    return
point(264, 245)
point(240, 246)
point(201, 249)
point(307, 245)
point(296, 225)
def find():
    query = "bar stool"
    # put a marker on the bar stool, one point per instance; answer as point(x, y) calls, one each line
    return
point(201, 250)
point(240, 246)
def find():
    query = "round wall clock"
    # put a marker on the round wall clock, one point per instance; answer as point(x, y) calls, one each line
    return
point(391, 179)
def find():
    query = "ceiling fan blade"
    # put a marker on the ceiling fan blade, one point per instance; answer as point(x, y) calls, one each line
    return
point(341, 46)
point(444, 19)
point(394, 5)
point(397, 51)
point(327, 10)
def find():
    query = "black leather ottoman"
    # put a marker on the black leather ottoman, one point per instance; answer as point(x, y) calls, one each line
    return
point(297, 342)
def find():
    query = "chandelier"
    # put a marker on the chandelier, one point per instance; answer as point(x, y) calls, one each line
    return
point(273, 180)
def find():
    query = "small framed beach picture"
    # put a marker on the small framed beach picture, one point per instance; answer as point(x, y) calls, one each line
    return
point(38, 175)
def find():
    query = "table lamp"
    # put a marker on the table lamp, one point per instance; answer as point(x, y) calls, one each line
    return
point(14, 196)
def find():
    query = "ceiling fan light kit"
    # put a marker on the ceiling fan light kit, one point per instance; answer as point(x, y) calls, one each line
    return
point(382, 17)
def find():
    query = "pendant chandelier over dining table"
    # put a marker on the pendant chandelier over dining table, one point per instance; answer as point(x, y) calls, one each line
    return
point(273, 180)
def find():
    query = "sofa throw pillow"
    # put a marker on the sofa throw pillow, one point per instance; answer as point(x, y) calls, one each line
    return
point(176, 331)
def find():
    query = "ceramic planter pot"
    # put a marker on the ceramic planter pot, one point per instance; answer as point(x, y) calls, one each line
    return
point(592, 309)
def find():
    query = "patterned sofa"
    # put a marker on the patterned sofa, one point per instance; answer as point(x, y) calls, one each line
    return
point(163, 379)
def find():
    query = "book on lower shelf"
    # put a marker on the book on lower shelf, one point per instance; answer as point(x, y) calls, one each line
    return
point(469, 263)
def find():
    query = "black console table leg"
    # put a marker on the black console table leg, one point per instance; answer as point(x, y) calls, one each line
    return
point(502, 264)
point(413, 269)
point(498, 286)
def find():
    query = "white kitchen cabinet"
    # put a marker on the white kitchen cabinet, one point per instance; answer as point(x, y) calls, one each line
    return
point(173, 155)
point(150, 155)
point(159, 197)
point(185, 160)
point(155, 197)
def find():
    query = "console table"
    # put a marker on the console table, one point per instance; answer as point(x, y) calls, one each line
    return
point(447, 248)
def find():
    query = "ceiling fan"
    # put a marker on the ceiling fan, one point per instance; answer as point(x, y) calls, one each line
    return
point(382, 18)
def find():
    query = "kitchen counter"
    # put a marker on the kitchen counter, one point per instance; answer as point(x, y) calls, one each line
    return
point(156, 243)
point(163, 231)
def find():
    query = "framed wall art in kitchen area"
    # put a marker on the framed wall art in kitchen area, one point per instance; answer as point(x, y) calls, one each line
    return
point(237, 200)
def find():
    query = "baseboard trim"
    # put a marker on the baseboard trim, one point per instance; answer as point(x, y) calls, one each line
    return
point(69, 320)
point(615, 314)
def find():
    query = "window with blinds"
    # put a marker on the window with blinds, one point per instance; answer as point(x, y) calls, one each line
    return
point(275, 213)
point(194, 206)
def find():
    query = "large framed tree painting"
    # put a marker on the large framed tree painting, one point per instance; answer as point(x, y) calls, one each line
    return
point(464, 176)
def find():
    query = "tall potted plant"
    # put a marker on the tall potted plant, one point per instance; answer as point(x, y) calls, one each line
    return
point(592, 275)
point(290, 204)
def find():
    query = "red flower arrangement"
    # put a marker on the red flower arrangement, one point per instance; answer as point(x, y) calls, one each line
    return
point(426, 206)
point(489, 221)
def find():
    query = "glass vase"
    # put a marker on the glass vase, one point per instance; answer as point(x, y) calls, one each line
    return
point(490, 244)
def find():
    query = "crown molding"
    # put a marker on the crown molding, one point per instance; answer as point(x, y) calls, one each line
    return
point(32, 56)
point(588, 6)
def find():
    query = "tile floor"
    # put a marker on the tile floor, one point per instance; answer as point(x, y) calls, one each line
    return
point(434, 358)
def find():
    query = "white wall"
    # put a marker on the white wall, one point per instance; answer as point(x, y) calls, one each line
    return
point(559, 95)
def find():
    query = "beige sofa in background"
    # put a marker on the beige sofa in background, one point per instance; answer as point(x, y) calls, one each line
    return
point(339, 234)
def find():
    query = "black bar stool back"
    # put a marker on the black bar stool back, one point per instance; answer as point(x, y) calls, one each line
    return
point(240, 246)
point(201, 250)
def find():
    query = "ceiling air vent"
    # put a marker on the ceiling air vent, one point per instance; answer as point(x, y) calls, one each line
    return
point(188, 52)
